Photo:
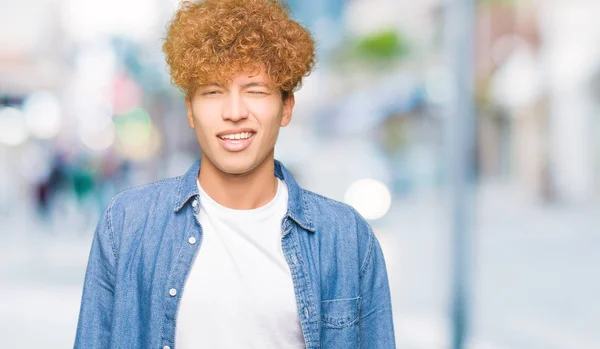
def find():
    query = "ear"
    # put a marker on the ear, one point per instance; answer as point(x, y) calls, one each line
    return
point(288, 107)
point(190, 114)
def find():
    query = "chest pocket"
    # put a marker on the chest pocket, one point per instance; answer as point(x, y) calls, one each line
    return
point(339, 313)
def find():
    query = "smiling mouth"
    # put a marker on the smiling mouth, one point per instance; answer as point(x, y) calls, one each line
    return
point(236, 142)
point(237, 136)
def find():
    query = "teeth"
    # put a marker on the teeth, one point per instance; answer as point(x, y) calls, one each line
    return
point(242, 135)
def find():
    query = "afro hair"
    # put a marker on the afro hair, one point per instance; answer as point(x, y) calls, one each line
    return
point(212, 40)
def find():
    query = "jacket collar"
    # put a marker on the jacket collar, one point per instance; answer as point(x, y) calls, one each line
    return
point(297, 207)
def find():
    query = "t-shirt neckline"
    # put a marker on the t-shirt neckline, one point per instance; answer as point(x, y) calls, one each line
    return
point(210, 206)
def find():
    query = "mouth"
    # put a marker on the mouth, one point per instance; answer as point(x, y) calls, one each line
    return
point(235, 142)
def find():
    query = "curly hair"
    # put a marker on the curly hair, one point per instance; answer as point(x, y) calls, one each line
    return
point(211, 40)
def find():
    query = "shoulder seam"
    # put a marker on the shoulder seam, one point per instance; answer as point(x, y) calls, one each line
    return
point(336, 202)
point(369, 252)
point(109, 227)
point(141, 186)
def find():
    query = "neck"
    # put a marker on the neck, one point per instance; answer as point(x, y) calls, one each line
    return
point(244, 191)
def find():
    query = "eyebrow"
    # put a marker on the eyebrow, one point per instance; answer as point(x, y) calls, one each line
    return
point(255, 84)
point(212, 84)
point(248, 85)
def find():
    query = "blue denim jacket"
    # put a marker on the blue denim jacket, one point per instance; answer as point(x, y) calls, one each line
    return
point(140, 258)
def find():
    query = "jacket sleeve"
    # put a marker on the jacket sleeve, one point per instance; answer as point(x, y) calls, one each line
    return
point(376, 320)
point(96, 311)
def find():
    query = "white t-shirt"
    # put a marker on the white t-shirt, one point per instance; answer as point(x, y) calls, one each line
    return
point(239, 293)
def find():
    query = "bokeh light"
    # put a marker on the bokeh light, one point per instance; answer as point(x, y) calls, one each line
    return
point(137, 139)
point(13, 129)
point(370, 197)
point(98, 138)
point(43, 115)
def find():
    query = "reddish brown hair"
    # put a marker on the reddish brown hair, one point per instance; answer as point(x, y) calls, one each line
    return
point(212, 40)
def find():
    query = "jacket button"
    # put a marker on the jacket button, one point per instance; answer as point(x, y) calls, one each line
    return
point(192, 240)
point(194, 203)
point(166, 347)
point(306, 312)
point(173, 292)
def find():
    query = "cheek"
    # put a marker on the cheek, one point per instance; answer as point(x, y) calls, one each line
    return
point(268, 114)
point(203, 127)
point(205, 114)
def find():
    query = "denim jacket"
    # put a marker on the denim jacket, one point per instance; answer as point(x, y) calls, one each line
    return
point(142, 253)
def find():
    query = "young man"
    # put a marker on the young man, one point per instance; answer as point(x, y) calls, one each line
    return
point(234, 254)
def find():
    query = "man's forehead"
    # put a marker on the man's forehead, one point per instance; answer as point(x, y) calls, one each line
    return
point(244, 79)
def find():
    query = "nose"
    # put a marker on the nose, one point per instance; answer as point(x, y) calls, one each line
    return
point(235, 108)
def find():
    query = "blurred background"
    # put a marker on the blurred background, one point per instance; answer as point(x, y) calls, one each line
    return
point(86, 110)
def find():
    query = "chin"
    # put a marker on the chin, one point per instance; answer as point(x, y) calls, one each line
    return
point(237, 166)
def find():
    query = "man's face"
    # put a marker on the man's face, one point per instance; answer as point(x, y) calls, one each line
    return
point(237, 124)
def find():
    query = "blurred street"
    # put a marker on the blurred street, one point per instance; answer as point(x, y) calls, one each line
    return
point(410, 102)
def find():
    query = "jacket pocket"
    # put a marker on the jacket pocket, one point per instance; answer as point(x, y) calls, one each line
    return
point(339, 313)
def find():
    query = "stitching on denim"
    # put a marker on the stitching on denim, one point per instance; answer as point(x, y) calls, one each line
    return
point(330, 200)
point(369, 251)
point(342, 325)
point(307, 212)
point(141, 186)
point(178, 295)
point(340, 299)
point(333, 322)
point(289, 252)
point(307, 283)
point(109, 227)
point(180, 185)
point(178, 205)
